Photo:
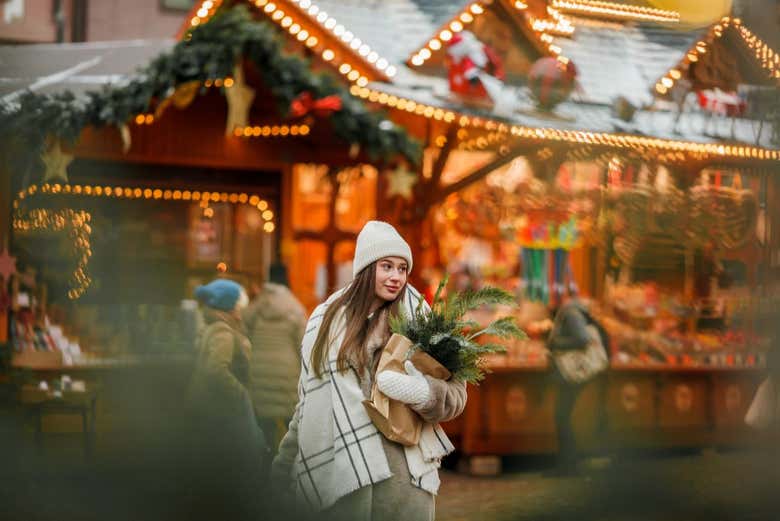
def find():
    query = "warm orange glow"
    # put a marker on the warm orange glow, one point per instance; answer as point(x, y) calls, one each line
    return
point(616, 10)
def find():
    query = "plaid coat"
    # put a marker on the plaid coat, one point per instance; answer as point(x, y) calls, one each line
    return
point(332, 448)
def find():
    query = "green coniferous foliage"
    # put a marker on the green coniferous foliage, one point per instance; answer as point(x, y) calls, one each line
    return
point(442, 332)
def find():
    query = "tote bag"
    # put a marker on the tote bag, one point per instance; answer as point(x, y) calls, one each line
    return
point(581, 365)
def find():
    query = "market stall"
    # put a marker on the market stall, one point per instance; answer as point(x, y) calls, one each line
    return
point(553, 167)
point(208, 162)
point(222, 155)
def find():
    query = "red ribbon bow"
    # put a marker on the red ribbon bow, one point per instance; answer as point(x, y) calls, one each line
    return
point(305, 103)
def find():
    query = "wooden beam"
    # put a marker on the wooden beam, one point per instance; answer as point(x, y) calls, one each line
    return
point(444, 154)
point(483, 171)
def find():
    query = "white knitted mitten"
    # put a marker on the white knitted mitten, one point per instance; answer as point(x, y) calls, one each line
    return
point(411, 388)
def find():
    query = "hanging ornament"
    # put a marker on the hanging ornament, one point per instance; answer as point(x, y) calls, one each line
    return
point(722, 103)
point(551, 81)
point(185, 93)
point(623, 109)
point(323, 107)
point(473, 68)
point(56, 163)
point(354, 150)
point(662, 181)
point(239, 99)
point(7, 265)
point(401, 182)
point(181, 97)
point(127, 141)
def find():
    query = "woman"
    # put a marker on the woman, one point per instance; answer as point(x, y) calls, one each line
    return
point(337, 461)
point(229, 447)
point(219, 388)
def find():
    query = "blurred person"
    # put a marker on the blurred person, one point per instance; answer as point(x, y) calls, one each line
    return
point(339, 464)
point(764, 411)
point(275, 321)
point(228, 444)
point(569, 332)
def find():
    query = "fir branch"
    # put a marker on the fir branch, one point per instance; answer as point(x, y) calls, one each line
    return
point(504, 327)
point(460, 303)
point(442, 333)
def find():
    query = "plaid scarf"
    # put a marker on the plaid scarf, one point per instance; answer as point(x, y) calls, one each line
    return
point(339, 448)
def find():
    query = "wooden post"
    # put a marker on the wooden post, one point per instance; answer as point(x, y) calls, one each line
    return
point(331, 235)
point(5, 208)
point(5, 238)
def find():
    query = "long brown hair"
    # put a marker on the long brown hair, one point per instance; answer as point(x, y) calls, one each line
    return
point(356, 301)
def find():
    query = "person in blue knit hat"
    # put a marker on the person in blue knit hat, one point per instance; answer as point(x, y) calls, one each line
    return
point(219, 399)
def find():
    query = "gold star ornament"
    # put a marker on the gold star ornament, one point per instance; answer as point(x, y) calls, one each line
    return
point(56, 163)
point(401, 182)
point(239, 100)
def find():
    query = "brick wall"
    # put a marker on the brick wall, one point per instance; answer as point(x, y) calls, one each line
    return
point(36, 24)
point(124, 20)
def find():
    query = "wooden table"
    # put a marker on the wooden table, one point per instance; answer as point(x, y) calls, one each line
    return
point(39, 403)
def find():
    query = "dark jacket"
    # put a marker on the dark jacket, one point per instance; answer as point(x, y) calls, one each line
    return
point(275, 321)
point(220, 382)
point(569, 329)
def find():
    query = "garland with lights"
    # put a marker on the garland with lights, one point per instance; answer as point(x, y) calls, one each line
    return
point(31, 216)
point(208, 53)
point(77, 223)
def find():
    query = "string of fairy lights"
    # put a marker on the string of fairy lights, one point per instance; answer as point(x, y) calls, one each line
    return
point(312, 26)
point(38, 219)
point(256, 131)
point(79, 230)
point(272, 131)
point(543, 28)
point(616, 10)
point(769, 59)
point(639, 143)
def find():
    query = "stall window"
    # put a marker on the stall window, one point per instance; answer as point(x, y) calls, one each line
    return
point(312, 198)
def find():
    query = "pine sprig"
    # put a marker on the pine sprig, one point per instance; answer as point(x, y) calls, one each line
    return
point(442, 333)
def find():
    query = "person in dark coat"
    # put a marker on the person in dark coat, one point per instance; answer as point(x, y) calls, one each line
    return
point(569, 332)
point(231, 450)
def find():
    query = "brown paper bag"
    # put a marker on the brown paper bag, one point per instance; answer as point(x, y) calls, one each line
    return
point(395, 419)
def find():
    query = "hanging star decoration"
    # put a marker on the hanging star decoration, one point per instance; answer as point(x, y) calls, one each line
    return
point(127, 141)
point(7, 265)
point(56, 162)
point(239, 99)
point(401, 182)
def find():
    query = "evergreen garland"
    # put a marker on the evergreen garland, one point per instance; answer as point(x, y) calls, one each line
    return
point(210, 51)
point(443, 333)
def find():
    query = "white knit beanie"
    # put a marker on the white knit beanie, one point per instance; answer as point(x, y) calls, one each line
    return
point(377, 240)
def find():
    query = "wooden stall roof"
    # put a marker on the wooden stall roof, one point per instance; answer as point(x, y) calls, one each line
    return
point(620, 52)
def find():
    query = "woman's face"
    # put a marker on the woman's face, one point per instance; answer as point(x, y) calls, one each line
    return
point(390, 277)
